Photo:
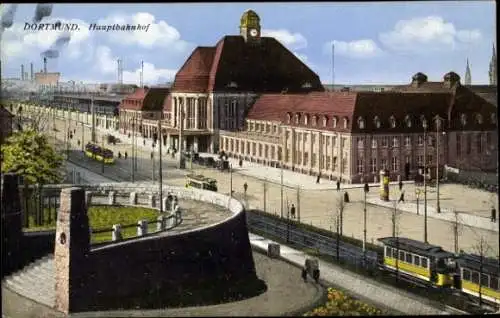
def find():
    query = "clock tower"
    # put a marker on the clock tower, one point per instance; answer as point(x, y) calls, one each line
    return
point(250, 27)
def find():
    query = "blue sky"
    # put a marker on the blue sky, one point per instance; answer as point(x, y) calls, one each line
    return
point(375, 43)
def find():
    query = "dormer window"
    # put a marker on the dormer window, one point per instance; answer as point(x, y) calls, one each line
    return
point(479, 119)
point(288, 118)
point(315, 120)
point(408, 121)
point(232, 85)
point(306, 85)
point(361, 123)
point(346, 122)
point(423, 121)
point(306, 120)
point(376, 122)
point(297, 119)
point(392, 122)
point(334, 122)
point(493, 118)
point(463, 119)
point(325, 121)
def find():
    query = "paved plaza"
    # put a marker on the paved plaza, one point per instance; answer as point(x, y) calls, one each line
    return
point(318, 203)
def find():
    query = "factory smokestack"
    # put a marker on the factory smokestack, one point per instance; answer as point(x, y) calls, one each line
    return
point(25, 76)
point(22, 72)
point(31, 69)
point(45, 65)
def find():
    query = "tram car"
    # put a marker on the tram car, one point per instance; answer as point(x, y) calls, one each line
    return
point(441, 269)
point(99, 153)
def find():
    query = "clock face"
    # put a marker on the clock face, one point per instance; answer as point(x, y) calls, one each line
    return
point(253, 32)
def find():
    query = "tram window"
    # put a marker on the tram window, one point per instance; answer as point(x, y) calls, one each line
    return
point(388, 251)
point(494, 283)
point(475, 277)
point(424, 262)
point(408, 257)
point(485, 280)
point(416, 260)
point(401, 255)
point(394, 253)
point(466, 274)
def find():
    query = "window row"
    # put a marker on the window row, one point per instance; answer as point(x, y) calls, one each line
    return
point(262, 127)
point(316, 120)
point(407, 257)
point(486, 280)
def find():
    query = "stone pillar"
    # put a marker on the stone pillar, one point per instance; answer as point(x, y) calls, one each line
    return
point(88, 199)
point(177, 212)
point(184, 113)
point(133, 198)
point(165, 204)
point(72, 246)
point(171, 221)
point(168, 141)
point(273, 250)
point(196, 113)
point(161, 225)
point(152, 201)
point(11, 223)
point(116, 235)
point(112, 198)
point(142, 227)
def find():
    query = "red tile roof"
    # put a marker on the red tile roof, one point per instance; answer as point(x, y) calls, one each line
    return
point(167, 103)
point(264, 67)
point(149, 99)
point(272, 106)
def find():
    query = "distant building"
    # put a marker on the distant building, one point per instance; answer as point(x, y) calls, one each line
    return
point(47, 79)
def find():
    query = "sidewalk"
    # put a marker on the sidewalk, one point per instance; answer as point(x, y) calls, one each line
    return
point(446, 214)
point(358, 285)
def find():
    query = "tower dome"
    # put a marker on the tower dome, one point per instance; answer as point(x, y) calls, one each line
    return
point(250, 17)
point(250, 27)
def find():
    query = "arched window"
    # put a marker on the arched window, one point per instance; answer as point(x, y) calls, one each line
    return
point(325, 121)
point(463, 119)
point(334, 122)
point(288, 118)
point(306, 120)
point(423, 120)
point(297, 119)
point(493, 118)
point(361, 123)
point(376, 122)
point(408, 121)
point(315, 120)
point(346, 122)
point(479, 119)
point(392, 121)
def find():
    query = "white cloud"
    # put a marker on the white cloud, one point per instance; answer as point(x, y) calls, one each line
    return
point(106, 64)
point(426, 34)
point(20, 43)
point(364, 48)
point(159, 33)
point(294, 41)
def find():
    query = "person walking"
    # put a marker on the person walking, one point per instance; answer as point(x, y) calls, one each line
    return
point(292, 211)
point(317, 179)
point(119, 155)
point(151, 155)
point(245, 187)
point(338, 185)
point(402, 197)
point(241, 162)
point(304, 274)
point(126, 155)
point(493, 215)
point(400, 185)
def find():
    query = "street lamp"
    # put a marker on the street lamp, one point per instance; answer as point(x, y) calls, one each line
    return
point(417, 193)
point(132, 154)
point(424, 125)
point(438, 120)
point(231, 179)
point(160, 141)
point(281, 167)
point(153, 159)
point(366, 190)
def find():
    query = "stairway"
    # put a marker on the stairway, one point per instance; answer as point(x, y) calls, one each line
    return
point(35, 281)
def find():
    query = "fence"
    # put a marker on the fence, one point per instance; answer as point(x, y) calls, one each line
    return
point(477, 179)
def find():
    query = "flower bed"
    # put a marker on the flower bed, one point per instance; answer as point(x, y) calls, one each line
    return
point(339, 304)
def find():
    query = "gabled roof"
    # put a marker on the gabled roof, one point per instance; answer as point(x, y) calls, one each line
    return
point(426, 87)
point(272, 106)
point(149, 98)
point(235, 65)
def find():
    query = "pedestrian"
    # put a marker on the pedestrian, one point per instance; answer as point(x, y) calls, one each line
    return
point(245, 187)
point(493, 215)
point(78, 142)
point(400, 185)
point(402, 197)
point(316, 275)
point(119, 155)
point(240, 162)
point(292, 211)
point(304, 274)
point(338, 185)
point(126, 155)
point(152, 155)
point(144, 142)
point(317, 179)
point(173, 154)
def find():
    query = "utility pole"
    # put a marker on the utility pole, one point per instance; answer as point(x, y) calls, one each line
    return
point(281, 182)
point(265, 195)
point(231, 179)
point(298, 203)
point(438, 128)
point(153, 159)
point(424, 124)
point(93, 118)
point(160, 141)
point(455, 232)
point(366, 189)
point(132, 154)
point(102, 154)
point(83, 138)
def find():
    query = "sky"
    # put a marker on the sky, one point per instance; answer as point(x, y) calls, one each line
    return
point(375, 42)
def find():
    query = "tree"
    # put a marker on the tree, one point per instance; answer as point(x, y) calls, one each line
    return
point(28, 154)
point(395, 218)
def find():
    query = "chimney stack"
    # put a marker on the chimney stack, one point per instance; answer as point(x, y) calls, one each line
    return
point(32, 74)
point(22, 72)
point(45, 65)
point(25, 76)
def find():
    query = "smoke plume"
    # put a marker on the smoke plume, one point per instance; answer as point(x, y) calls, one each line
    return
point(42, 10)
point(50, 54)
point(54, 51)
point(7, 19)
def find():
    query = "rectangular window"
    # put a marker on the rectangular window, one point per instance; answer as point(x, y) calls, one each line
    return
point(385, 141)
point(266, 151)
point(466, 274)
point(395, 142)
point(344, 165)
point(344, 140)
point(429, 159)
point(475, 277)
point(401, 255)
point(416, 260)
point(373, 165)
point(395, 164)
point(459, 145)
point(313, 160)
point(485, 280)
point(306, 158)
point(334, 163)
point(328, 158)
point(408, 258)
point(424, 262)
point(431, 141)
point(360, 166)
point(479, 144)
point(420, 140)
point(299, 157)
point(407, 141)
point(361, 142)
point(488, 138)
point(494, 283)
point(420, 160)
point(374, 143)
point(388, 251)
point(384, 163)
point(260, 150)
point(334, 141)
point(469, 144)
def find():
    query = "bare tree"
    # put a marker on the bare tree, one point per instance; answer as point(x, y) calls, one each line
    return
point(395, 219)
point(457, 228)
point(482, 249)
point(339, 207)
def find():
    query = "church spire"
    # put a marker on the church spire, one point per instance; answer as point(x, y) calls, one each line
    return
point(468, 78)
point(492, 73)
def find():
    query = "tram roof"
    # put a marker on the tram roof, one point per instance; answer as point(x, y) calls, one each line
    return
point(418, 247)
point(473, 261)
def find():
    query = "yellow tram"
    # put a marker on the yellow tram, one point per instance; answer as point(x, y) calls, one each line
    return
point(99, 153)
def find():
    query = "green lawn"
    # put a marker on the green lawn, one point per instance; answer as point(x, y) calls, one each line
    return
point(102, 217)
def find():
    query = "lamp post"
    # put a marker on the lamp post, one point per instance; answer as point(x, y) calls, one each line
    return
point(102, 154)
point(366, 189)
point(132, 154)
point(281, 170)
point(231, 179)
point(153, 159)
point(417, 192)
point(424, 124)
point(160, 141)
point(438, 128)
